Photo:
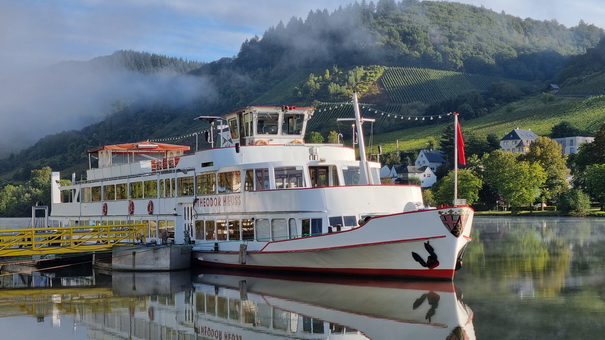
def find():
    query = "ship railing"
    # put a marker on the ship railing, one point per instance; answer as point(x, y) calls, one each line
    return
point(40, 241)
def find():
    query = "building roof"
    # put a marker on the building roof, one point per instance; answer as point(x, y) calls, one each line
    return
point(517, 134)
point(433, 156)
point(412, 169)
point(141, 147)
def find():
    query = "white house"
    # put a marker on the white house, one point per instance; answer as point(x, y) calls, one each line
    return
point(386, 172)
point(517, 141)
point(570, 145)
point(431, 158)
point(423, 173)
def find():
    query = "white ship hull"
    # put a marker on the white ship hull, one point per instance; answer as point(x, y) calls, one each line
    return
point(383, 246)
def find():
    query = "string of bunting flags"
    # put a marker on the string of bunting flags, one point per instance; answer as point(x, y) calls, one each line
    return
point(372, 110)
point(179, 137)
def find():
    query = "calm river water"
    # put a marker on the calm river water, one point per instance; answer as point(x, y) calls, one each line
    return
point(523, 278)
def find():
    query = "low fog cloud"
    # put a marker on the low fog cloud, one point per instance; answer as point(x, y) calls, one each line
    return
point(72, 95)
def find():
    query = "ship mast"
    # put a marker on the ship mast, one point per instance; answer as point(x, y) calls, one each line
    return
point(365, 168)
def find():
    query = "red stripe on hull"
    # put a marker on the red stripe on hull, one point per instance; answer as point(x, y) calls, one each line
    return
point(412, 273)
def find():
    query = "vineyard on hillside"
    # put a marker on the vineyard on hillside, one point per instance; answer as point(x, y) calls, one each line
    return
point(410, 84)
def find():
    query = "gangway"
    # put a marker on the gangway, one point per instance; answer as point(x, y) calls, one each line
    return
point(68, 240)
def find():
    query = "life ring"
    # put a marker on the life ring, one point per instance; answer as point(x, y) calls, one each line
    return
point(150, 207)
point(297, 141)
point(261, 142)
point(130, 207)
point(104, 209)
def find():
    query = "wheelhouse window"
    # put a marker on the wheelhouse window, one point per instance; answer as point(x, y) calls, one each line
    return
point(293, 124)
point(206, 183)
point(233, 128)
point(267, 123)
point(351, 175)
point(289, 177)
point(229, 182)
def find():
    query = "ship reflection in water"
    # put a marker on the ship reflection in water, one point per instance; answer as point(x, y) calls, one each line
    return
point(232, 306)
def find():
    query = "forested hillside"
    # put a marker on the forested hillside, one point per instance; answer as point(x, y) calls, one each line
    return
point(409, 57)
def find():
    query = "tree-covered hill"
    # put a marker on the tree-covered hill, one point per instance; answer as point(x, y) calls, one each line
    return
point(409, 57)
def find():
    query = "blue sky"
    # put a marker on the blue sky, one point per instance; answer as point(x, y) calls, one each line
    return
point(51, 31)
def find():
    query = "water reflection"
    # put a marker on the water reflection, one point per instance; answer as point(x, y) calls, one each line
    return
point(214, 305)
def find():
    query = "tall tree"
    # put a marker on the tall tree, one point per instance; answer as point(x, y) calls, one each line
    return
point(518, 182)
point(549, 155)
point(469, 185)
point(595, 183)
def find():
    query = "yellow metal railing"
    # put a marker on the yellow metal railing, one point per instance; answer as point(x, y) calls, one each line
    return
point(42, 241)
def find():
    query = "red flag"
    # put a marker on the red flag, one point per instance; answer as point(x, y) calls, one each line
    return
point(461, 157)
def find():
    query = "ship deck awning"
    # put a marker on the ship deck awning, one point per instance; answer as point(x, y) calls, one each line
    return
point(141, 147)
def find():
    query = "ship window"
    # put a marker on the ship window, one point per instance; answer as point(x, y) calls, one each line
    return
point(351, 175)
point(289, 177)
point(209, 227)
point(248, 124)
point(234, 231)
point(263, 231)
point(229, 182)
point(206, 183)
point(247, 229)
point(221, 230)
point(151, 189)
point(185, 186)
point(86, 195)
point(222, 307)
point(292, 228)
point(319, 176)
point(234, 309)
point(233, 128)
point(334, 176)
point(153, 226)
point(261, 179)
point(264, 314)
point(210, 304)
point(293, 124)
point(335, 221)
point(167, 187)
point(136, 190)
point(305, 227)
point(280, 319)
point(199, 230)
point(67, 196)
point(267, 123)
point(121, 192)
point(109, 192)
point(279, 230)
point(96, 194)
point(350, 221)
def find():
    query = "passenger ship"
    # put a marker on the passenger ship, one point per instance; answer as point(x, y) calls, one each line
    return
point(262, 198)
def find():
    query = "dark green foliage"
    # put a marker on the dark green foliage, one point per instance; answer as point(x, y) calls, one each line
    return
point(574, 203)
point(565, 129)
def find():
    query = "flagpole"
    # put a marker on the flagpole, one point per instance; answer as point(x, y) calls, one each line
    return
point(455, 157)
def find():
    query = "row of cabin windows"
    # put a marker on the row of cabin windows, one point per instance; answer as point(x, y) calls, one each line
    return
point(259, 314)
point(155, 229)
point(261, 229)
point(263, 315)
point(215, 183)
